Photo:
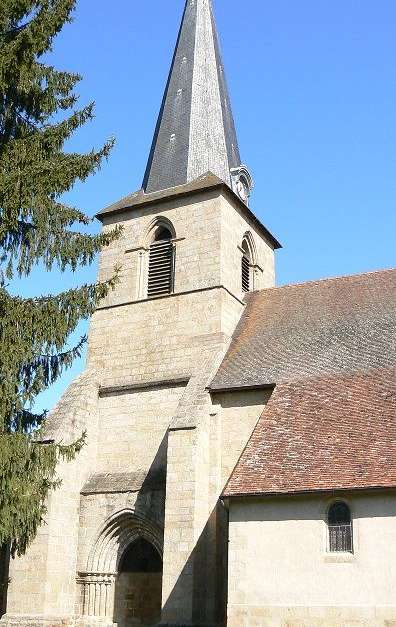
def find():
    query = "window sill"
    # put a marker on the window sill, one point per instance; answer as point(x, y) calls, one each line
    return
point(175, 240)
point(339, 558)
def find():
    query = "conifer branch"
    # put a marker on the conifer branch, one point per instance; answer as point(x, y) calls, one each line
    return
point(37, 227)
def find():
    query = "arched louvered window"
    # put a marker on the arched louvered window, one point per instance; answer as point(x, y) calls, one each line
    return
point(340, 528)
point(161, 264)
point(246, 267)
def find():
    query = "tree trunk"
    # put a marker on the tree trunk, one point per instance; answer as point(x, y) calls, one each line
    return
point(4, 564)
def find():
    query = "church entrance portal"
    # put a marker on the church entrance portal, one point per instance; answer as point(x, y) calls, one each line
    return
point(122, 583)
point(138, 588)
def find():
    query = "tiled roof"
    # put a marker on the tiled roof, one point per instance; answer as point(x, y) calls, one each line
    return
point(331, 433)
point(329, 348)
point(329, 327)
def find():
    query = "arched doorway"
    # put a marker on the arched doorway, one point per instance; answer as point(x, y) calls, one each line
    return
point(138, 587)
point(122, 582)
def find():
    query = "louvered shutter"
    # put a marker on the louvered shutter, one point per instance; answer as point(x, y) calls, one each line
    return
point(160, 274)
point(245, 274)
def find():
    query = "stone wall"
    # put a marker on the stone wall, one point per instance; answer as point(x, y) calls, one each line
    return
point(138, 599)
point(209, 230)
point(238, 413)
point(133, 425)
point(280, 571)
point(234, 226)
point(159, 339)
point(148, 339)
point(197, 226)
point(130, 465)
point(43, 581)
point(200, 455)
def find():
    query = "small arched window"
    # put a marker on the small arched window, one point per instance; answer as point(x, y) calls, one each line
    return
point(246, 283)
point(161, 263)
point(247, 263)
point(339, 522)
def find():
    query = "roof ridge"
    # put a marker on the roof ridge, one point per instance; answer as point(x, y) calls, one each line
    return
point(324, 280)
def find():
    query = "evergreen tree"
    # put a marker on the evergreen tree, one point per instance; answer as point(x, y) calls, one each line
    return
point(37, 117)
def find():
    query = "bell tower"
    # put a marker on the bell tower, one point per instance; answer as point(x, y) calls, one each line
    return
point(191, 248)
point(189, 233)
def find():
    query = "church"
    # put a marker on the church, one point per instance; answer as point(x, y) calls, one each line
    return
point(240, 466)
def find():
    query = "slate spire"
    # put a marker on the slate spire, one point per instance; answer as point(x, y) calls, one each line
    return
point(195, 132)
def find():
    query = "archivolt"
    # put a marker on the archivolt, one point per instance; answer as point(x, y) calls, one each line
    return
point(159, 222)
point(248, 240)
point(117, 534)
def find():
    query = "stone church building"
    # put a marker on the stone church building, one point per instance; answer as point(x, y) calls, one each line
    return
point(240, 468)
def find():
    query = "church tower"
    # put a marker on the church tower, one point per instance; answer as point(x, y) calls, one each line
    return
point(136, 534)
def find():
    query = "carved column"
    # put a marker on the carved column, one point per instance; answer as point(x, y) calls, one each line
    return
point(141, 291)
point(97, 594)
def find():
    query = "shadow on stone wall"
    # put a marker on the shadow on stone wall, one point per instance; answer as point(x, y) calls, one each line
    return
point(139, 581)
point(150, 502)
point(208, 589)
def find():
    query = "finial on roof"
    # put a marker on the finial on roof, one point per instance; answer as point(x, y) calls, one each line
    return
point(195, 132)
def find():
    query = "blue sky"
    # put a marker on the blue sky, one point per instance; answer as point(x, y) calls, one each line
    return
point(313, 86)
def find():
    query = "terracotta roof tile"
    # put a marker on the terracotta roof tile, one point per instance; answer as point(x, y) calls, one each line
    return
point(330, 433)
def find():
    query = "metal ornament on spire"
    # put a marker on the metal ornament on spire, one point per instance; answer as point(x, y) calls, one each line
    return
point(195, 131)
